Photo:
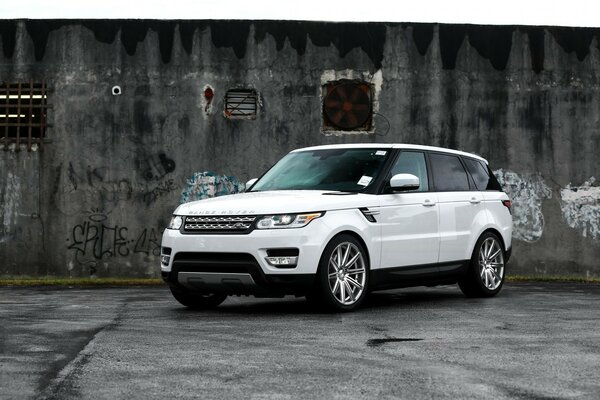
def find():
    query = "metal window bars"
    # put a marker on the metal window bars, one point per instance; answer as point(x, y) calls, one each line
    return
point(241, 103)
point(23, 114)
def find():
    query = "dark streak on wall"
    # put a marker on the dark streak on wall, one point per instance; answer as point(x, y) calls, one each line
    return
point(576, 40)
point(344, 36)
point(491, 42)
point(422, 36)
point(536, 48)
point(451, 39)
point(8, 31)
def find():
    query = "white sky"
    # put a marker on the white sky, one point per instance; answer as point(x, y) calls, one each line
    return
point(518, 12)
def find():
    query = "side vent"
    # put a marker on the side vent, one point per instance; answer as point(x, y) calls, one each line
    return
point(369, 214)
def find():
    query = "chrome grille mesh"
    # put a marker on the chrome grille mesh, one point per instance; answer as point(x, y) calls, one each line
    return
point(219, 223)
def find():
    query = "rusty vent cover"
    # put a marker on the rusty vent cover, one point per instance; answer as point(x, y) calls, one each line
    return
point(241, 103)
point(347, 106)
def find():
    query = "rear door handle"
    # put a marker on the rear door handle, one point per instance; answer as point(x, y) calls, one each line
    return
point(475, 200)
point(428, 203)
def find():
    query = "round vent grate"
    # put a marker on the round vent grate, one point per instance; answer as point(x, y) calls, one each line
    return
point(348, 106)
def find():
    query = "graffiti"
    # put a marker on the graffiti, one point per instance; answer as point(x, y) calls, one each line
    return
point(95, 239)
point(206, 184)
point(526, 192)
point(73, 191)
point(159, 191)
point(148, 243)
point(156, 167)
point(580, 206)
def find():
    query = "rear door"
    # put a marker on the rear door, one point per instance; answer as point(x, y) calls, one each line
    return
point(460, 207)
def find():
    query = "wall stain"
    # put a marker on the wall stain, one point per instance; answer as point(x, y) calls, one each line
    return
point(423, 36)
point(8, 31)
point(491, 42)
point(576, 40)
point(536, 47)
point(344, 36)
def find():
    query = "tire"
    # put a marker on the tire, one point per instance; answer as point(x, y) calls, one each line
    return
point(198, 301)
point(486, 273)
point(345, 288)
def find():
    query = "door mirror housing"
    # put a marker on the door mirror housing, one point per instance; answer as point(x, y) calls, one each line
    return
point(404, 182)
point(250, 183)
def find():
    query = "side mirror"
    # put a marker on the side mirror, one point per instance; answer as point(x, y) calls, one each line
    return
point(404, 182)
point(250, 183)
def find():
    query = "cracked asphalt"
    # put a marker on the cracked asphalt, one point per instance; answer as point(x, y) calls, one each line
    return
point(533, 341)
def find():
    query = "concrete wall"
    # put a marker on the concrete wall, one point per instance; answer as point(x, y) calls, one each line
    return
point(95, 199)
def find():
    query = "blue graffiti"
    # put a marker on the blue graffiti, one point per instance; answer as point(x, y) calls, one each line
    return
point(203, 185)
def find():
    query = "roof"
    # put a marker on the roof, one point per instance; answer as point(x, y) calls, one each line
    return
point(390, 146)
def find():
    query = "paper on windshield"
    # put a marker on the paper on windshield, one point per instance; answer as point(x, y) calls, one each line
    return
point(364, 180)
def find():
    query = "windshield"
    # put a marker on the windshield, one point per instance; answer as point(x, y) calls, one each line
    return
point(345, 170)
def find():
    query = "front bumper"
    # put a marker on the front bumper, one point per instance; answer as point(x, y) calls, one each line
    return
point(236, 263)
point(309, 240)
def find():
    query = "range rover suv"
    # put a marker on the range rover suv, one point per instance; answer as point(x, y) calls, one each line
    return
point(334, 223)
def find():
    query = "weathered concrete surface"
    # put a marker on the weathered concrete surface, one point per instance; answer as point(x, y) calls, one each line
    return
point(94, 201)
point(534, 341)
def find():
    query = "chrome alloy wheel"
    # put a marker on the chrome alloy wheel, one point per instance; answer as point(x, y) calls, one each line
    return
point(491, 263)
point(346, 273)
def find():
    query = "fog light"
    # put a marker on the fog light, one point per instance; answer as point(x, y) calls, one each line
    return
point(282, 261)
point(164, 259)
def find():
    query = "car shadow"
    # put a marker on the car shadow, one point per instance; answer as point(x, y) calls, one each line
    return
point(386, 300)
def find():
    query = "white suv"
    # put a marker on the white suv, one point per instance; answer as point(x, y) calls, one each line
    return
point(333, 223)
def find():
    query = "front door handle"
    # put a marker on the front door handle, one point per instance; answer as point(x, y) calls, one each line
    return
point(428, 203)
point(475, 200)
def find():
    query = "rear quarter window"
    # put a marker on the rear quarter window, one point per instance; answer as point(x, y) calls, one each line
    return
point(482, 175)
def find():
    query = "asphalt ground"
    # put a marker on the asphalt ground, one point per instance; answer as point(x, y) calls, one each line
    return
point(533, 341)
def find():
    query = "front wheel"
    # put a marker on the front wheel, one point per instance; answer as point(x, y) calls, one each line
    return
point(198, 301)
point(485, 275)
point(343, 275)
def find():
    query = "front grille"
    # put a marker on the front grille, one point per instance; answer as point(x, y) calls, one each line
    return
point(219, 224)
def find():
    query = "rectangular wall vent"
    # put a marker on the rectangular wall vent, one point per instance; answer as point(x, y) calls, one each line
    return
point(241, 103)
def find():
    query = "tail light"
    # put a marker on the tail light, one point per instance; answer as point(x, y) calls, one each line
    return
point(507, 204)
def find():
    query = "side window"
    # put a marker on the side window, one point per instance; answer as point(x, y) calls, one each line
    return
point(412, 162)
point(493, 183)
point(448, 173)
point(480, 172)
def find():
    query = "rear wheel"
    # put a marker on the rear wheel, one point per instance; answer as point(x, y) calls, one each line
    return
point(343, 275)
point(485, 276)
point(198, 301)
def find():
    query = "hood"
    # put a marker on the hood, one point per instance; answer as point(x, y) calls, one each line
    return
point(277, 202)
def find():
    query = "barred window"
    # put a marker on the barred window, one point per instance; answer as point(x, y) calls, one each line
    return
point(23, 112)
point(241, 103)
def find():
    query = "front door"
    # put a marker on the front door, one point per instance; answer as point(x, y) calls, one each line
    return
point(409, 220)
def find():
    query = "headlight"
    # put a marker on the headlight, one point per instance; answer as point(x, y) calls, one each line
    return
point(176, 222)
point(286, 220)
